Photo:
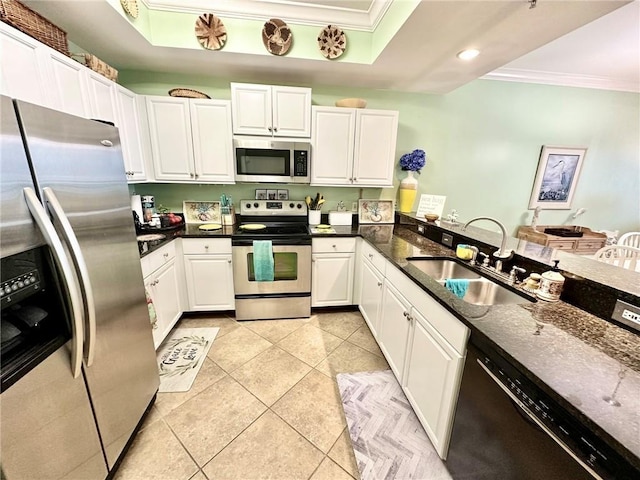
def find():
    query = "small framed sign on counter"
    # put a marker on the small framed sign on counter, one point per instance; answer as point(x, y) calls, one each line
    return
point(431, 204)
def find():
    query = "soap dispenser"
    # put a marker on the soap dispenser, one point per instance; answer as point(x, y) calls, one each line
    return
point(551, 284)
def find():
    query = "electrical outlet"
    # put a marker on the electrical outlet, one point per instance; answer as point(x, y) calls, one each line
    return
point(354, 207)
point(626, 313)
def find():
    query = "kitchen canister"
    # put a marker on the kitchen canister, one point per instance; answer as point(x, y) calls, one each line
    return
point(551, 284)
point(148, 208)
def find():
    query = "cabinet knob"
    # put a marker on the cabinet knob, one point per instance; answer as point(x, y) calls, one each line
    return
point(196, 175)
point(165, 255)
point(206, 247)
point(191, 175)
point(379, 284)
point(270, 129)
point(275, 129)
point(333, 246)
point(371, 256)
point(229, 261)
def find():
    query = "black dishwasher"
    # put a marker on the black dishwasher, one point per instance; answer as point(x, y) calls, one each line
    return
point(507, 428)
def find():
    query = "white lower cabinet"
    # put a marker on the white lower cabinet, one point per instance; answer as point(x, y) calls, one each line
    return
point(209, 274)
point(432, 381)
point(333, 267)
point(423, 343)
point(394, 329)
point(161, 281)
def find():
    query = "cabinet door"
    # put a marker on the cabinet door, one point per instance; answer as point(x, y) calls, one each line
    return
point(212, 140)
point(332, 145)
point(69, 85)
point(163, 287)
point(332, 279)
point(375, 147)
point(23, 74)
point(102, 98)
point(395, 325)
point(251, 109)
point(434, 371)
point(131, 134)
point(209, 282)
point(170, 135)
point(291, 111)
point(371, 295)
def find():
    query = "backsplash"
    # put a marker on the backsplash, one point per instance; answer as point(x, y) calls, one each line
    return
point(171, 195)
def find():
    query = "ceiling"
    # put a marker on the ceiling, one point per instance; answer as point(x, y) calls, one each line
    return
point(582, 43)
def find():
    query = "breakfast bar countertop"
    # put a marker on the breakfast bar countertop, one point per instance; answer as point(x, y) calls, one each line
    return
point(577, 358)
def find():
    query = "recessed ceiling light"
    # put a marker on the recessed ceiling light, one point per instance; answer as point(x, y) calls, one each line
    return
point(468, 54)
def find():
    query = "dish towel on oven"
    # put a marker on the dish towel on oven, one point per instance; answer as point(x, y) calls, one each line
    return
point(263, 260)
point(457, 286)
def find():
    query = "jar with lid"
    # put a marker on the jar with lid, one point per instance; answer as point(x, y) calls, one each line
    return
point(551, 284)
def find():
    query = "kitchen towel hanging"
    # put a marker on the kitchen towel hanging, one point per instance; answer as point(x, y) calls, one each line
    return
point(457, 286)
point(263, 264)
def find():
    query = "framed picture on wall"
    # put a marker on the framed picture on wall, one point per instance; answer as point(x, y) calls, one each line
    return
point(556, 178)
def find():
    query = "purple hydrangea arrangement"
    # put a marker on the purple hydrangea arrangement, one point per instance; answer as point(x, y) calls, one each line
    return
point(413, 161)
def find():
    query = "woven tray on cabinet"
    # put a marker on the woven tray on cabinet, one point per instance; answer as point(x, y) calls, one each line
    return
point(33, 24)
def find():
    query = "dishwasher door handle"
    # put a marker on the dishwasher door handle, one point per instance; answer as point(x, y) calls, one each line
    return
point(536, 420)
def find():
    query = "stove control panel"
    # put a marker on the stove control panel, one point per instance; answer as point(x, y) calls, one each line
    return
point(273, 207)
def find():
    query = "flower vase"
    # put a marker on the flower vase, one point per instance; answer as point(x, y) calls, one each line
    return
point(408, 190)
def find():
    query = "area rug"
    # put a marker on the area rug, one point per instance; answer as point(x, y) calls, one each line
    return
point(387, 438)
point(181, 355)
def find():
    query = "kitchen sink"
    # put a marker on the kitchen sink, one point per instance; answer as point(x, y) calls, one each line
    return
point(481, 291)
point(441, 269)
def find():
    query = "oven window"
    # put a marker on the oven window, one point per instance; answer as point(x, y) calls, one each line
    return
point(255, 161)
point(285, 266)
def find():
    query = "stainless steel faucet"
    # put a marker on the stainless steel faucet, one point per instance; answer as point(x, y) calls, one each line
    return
point(502, 253)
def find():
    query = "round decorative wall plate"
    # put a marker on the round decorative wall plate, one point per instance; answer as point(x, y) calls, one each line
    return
point(277, 36)
point(332, 42)
point(210, 31)
point(130, 7)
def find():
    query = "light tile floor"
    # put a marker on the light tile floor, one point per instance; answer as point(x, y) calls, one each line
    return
point(264, 405)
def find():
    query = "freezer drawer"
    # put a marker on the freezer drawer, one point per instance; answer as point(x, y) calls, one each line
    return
point(48, 429)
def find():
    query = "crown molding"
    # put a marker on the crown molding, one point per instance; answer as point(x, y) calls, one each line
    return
point(291, 11)
point(562, 79)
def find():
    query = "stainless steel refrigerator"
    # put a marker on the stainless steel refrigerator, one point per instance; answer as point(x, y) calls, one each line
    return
point(78, 362)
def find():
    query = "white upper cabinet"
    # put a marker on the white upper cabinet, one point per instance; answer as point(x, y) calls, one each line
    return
point(190, 139)
point(69, 85)
point(134, 135)
point(102, 98)
point(24, 71)
point(212, 140)
point(270, 110)
point(332, 144)
point(375, 147)
point(353, 147)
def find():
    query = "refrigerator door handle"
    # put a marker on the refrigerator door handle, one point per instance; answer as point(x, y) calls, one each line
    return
point(81, 267)
point(49, 232)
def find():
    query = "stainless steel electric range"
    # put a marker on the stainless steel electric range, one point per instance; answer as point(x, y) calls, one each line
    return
point(284, 224)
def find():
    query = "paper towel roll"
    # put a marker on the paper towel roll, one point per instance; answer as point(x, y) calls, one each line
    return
point(136, 206)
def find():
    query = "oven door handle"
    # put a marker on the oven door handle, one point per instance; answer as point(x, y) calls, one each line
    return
point(73, 290)
point(534, 419)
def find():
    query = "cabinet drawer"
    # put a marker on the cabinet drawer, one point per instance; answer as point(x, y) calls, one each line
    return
point(204, 246)
point(156, 259)
point(374, 257)
point(562, 244)
point(589, 245)
point(332, 245)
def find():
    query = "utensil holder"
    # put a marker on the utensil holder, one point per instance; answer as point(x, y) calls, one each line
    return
point(229, 216)
point(314, 217)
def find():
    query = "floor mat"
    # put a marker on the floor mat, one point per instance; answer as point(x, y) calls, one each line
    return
point(387, 438)
point(181, 355)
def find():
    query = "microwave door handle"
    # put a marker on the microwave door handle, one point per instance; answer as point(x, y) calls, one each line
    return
point(81, 268)
point(49, 232)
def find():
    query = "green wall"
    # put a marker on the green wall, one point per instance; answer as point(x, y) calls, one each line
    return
point(483, 142)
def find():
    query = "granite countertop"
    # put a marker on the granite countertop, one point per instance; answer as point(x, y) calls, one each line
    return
point(577, 358)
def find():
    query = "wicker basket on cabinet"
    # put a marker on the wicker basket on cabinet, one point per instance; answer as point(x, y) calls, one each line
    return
point(97, 65)
point(33, 24)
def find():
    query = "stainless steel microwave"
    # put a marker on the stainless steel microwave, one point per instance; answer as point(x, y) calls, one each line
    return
point(260, 159)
